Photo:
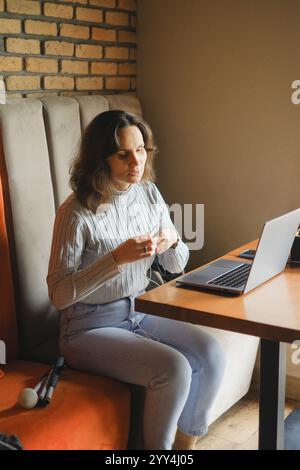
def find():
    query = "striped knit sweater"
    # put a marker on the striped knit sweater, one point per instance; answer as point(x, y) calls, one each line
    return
point(82, 267)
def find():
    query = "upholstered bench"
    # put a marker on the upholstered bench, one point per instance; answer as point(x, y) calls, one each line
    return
point(39, 137)
point(86, 412)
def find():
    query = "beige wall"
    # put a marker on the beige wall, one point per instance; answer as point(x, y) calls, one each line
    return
point(214, 78)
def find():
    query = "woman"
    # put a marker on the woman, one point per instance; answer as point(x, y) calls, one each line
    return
point(106, 236)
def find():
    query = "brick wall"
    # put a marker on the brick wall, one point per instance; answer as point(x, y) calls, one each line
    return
point(67, 47)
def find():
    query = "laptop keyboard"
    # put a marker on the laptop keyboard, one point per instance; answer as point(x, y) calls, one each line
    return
point(235, 278)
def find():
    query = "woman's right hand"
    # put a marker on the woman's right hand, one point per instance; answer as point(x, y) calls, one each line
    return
point(134, 249)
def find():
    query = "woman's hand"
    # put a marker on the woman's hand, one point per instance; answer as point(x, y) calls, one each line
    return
point(134, 249)
point(167, 237)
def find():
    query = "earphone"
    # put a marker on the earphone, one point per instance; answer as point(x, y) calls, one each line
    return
point(151, 280)
point(28, 397)
point(147, 335)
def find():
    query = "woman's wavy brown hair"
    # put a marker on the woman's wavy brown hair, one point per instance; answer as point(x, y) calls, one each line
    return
point(90, 173)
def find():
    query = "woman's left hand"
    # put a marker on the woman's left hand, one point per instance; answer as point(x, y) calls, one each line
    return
point(166, 238)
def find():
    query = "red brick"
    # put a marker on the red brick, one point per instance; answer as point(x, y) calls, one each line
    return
point(59, 48)
point(59, 83)
point(74, 31)
point(10, 64)
point(24, 46)
point(89, 14)
point(101, 34)
point(117, 18)
point(23, 82)
point(58, 11)
point(75, 66)
point(127, 69)
point(40, 65)
point(116, 52)
point(103, 3)
point(90, 83)
point(104, 68)
point(127, 36)
point(23, 7)
point(40, 27)
point(127, 5)
point(8, 26)
point(117, 83)
point(87, 51)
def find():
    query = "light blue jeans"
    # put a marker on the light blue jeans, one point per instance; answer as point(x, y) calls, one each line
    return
point(180, 366)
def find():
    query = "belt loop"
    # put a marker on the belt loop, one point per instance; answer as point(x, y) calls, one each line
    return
point(131, 299)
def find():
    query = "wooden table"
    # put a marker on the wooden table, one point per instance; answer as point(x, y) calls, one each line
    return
point(271, 312)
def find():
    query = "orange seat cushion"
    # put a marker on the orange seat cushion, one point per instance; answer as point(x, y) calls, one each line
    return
point(86, 412)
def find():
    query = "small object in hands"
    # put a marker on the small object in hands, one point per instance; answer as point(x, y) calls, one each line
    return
point(249, 254)
point(145, 249)
point(28, 397)
point(52, 382)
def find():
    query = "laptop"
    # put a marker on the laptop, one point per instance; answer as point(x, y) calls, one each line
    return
point(238, 277)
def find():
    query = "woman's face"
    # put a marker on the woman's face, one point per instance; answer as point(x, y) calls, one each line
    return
point(127, 164)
